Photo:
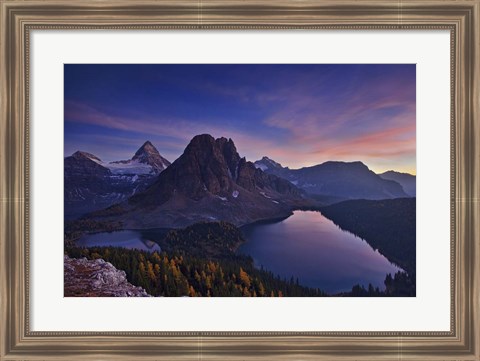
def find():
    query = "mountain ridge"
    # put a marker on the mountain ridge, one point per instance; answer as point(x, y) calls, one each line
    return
point(342, 180)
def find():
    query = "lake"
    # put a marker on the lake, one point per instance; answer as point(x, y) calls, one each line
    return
point(306, 245)
point(141, 240)
point(311, 247)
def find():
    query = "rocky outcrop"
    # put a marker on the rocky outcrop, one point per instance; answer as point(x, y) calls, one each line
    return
point(96, 278)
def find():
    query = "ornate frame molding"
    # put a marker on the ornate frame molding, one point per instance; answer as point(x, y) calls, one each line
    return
point(18, 18)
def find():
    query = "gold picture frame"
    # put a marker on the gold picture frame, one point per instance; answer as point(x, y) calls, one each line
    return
point(18, 18)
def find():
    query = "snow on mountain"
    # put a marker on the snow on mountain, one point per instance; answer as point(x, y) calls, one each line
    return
point(148, 154)
point(129, 167)
point(261, 166)
point(146, 160)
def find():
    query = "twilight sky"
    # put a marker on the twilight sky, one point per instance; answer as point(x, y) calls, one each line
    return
point(298, 115)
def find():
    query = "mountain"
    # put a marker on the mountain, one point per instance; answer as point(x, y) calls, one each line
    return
point(406, 180)
point(91, 184)
point(146, 160)
point(82, 164)
point(87, 184)
point(269, 165)
point(336, 180)
point(85, 155)
point(208, 182)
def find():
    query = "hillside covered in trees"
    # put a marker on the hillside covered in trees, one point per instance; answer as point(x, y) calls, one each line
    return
point(388, 225)
point(212, 240)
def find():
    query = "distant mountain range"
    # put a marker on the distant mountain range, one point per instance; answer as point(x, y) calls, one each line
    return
point(91, 184)
point(338, 180)
point(208, 182)
point(406, 180)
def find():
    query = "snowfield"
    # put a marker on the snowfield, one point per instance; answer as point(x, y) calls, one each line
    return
point(261, 166)
point(129, 167)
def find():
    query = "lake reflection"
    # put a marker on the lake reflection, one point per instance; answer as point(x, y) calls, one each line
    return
point(311, 247)
point(125, 239)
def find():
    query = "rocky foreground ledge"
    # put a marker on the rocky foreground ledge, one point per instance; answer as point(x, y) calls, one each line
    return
point(97, 278)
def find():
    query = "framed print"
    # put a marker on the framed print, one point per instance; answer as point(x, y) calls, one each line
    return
point(209, 193)
point(239, 180)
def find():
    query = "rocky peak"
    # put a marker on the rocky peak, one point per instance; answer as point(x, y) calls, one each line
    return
point(271, 162)
point(148, 154)
point(270, 166)
point(207, 164)
point(147, 149)
point(200, 140)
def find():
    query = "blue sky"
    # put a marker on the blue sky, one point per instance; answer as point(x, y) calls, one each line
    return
point(298, 115)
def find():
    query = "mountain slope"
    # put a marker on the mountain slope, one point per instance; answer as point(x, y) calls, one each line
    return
point(344, 180)
point(406, 180)
point(209, 181)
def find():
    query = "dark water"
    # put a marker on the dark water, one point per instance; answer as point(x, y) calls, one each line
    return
point(311, 247)
point(141, 240)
